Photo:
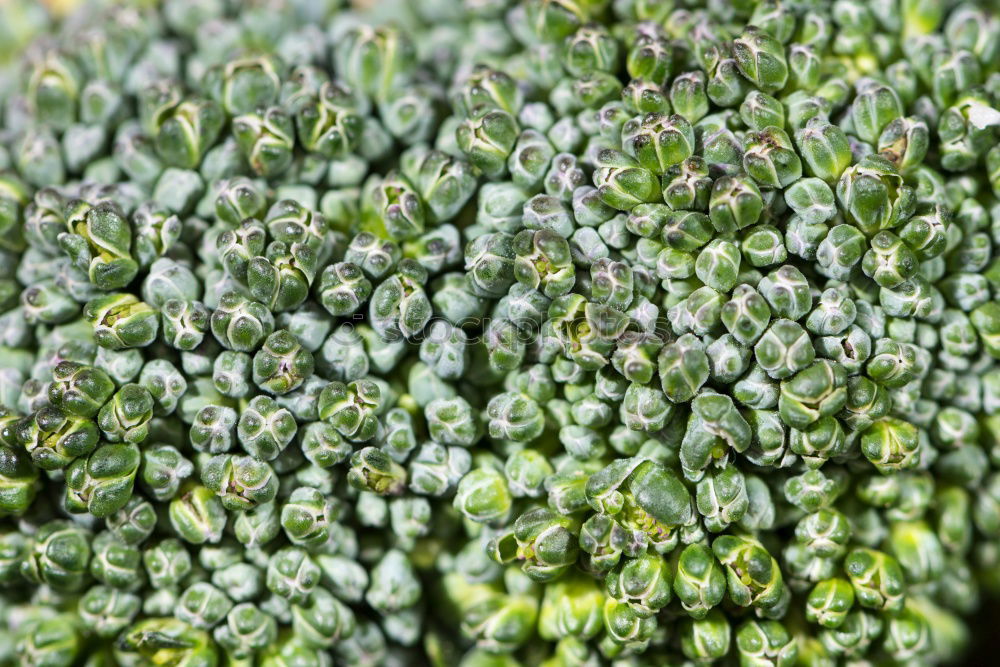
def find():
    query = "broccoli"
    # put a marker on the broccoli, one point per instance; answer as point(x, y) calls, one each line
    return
point(498, 332)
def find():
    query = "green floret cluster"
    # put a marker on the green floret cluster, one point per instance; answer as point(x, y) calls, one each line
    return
point(499, 332)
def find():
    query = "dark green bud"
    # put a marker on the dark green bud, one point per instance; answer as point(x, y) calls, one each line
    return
point(121, 321)
point(265, 429)
point(125, 417)
point(102, 483)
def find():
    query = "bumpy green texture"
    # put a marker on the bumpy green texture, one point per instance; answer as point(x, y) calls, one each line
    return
point(499, 332)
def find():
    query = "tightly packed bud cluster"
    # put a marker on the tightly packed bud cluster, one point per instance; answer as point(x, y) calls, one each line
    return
point(498, 332)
